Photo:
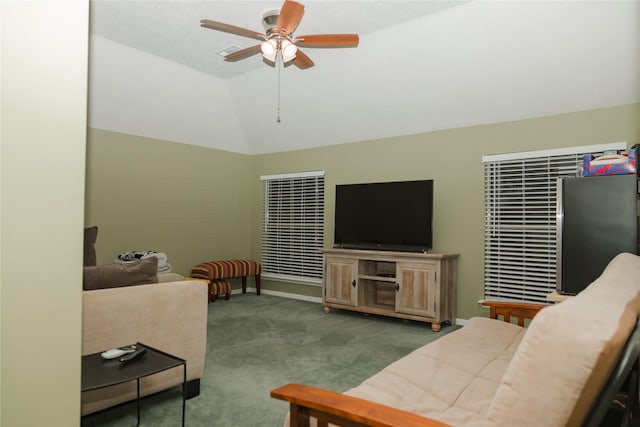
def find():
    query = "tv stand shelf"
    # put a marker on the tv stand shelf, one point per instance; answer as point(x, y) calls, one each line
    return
point(408, 285)
point(378, 278)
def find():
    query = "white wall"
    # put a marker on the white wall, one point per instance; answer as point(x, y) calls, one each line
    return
point(44, 47)
point(477, 63)
point(142, 94)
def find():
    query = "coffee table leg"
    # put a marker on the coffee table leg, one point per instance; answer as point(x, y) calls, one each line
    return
point(184, 390)
point(138, 400)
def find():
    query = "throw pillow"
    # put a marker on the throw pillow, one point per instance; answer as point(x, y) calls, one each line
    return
point(90, 236)
point(118, 275)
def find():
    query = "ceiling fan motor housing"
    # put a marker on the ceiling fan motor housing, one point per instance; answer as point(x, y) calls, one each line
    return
point(270, 19)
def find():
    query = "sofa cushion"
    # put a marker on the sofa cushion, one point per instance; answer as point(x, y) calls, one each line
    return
point(452, 379)
point(169, 277)
point(568, 352)
point(90, 236)
point(117, 275)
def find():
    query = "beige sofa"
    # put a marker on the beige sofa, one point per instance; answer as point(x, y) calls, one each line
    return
point(492, 373)
point(170, 316)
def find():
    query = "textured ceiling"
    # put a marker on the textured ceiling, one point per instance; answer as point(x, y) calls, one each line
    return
point(420, 66)
point(171, 29)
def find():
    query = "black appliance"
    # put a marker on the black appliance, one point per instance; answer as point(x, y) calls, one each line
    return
point(385, 216)
point(597, 219)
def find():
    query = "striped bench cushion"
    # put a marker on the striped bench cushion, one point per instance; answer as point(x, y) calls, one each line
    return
point(219, 287)
point(226, 269)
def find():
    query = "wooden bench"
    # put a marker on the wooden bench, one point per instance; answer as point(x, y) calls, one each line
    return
point(218, 273)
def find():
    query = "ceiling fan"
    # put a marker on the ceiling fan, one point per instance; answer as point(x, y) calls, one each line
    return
point(279, 41)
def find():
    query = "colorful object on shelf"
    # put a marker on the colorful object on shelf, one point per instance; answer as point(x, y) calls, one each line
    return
point(610, 164)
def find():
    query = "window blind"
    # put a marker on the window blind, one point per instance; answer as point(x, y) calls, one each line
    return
point(293, 226)
point(520, 220)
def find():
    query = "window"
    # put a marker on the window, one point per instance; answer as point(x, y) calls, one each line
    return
point(520, 220)
point(293, 227)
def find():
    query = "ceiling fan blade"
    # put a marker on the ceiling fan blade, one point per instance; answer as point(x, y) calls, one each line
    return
point(242, 53)
point(302, 61)
point(328, 40)
point(228, 28)
point(290, 16)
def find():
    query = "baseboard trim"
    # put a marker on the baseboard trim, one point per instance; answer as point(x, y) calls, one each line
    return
point(281, 294)
point(459, 322)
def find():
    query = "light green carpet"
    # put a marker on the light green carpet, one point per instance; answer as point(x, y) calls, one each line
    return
point(258, 343)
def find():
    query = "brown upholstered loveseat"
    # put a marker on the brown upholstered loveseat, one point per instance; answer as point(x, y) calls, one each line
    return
point(170, 316)
point(565, 369)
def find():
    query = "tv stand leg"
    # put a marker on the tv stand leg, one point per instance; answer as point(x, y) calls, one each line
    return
point(435, 327)
point(326, 310)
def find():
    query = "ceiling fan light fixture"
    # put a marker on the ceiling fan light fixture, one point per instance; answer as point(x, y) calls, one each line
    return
point(289, 50)
point(269, 49)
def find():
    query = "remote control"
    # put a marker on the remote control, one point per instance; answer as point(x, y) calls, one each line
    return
point(117, 352)
point(139, 352)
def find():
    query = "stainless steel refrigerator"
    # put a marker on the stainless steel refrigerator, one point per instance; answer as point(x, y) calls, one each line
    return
point(597, 218)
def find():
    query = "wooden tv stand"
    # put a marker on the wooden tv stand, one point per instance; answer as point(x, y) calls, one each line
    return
point(415, 286)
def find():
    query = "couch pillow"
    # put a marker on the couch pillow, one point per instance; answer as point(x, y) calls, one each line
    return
point(117, 275)
point(90, 236)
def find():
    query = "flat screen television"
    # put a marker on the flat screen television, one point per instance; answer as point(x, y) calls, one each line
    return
point(394, 216)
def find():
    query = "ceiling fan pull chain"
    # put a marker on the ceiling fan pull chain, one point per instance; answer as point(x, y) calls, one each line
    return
point(278, 67)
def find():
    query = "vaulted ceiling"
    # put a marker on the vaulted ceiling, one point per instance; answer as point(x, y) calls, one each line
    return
point(420, 66)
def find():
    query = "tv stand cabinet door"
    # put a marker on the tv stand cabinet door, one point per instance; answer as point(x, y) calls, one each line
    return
point(417, 289)
point(340, 284)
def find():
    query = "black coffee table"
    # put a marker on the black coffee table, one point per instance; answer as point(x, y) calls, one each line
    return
point(98, 372)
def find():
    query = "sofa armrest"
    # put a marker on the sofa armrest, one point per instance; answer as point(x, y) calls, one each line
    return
point(508, 309)
point(344, 411)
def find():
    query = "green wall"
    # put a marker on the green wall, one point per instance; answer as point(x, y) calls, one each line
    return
point(453, 159)
point(196, 203)
point(189, 202)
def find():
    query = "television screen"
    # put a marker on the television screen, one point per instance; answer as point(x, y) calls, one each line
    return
point(384, 215)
